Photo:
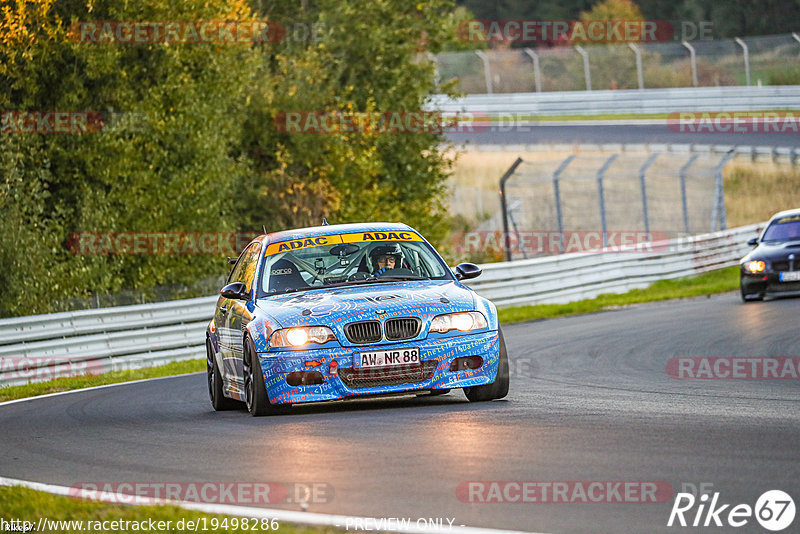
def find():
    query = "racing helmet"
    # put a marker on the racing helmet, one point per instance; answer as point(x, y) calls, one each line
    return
point(389, 249)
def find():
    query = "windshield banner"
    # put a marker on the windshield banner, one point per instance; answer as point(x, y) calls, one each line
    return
point(358, 237)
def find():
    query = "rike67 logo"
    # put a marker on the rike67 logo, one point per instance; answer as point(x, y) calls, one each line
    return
point(774, 510)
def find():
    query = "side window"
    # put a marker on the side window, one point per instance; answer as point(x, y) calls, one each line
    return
point(245, 269)
point(250, 268)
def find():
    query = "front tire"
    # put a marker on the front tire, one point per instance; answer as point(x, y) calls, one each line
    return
point(218, 399)
point(750, 297)
point(497, 389)
point(255, 390)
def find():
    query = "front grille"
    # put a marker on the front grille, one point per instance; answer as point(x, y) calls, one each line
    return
point(779, 287)
point(780, 265)
point(371, 377)
point(402, 328)
point(363, 332)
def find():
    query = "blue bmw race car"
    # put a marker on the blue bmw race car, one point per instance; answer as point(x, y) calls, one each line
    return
point(345, 311)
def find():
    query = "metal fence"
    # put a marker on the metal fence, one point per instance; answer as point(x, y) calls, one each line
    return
point(661, 194)
point(765, 60)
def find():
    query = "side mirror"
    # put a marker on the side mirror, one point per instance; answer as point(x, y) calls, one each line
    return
point(236, 291)
point(466, 271)
point(753, 242)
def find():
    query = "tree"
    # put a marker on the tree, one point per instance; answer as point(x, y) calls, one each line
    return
point(197, 149)
point(170, 172)
point(369, 56)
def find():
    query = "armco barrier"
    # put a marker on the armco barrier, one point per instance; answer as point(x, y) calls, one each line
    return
point(41, 347)
point(624, 101)
point(577, 276)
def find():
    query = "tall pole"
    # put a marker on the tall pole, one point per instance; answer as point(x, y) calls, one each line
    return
point(504, 206)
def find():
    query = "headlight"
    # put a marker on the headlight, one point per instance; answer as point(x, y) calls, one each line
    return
point(301, 335)
point(755, 266)
point(463, 322)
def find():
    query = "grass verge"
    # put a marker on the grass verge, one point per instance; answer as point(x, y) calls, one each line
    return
point(28, 505)
point(113, 377)
point(713, 282)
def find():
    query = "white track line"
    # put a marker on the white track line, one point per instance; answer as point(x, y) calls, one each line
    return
point(289, 516)
point(56, 394)
point(307, 518)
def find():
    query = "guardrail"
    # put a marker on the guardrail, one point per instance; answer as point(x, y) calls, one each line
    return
point(577, 276)
point(42, 347)
point(624, 101)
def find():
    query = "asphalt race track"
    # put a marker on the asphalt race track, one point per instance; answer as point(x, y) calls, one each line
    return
point(590, 401)
point(617, 133)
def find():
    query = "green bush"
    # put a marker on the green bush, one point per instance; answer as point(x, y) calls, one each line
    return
point(200, 153)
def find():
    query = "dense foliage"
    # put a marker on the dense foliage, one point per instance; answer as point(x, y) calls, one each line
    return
point(193, 147)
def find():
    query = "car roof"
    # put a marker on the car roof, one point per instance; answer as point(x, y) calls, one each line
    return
point(332, 229)
point(786, 213)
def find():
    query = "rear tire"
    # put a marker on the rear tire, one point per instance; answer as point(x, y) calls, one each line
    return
point(497, 389)
point(255, 390)
point(218, 399)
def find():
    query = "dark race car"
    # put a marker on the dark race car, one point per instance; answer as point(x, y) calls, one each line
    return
point(350, 311)
point(773, 267)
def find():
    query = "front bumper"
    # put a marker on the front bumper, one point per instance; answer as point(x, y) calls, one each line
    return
point(766, 283)
point(440, 353)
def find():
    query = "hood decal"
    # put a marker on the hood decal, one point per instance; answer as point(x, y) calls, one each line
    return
point(354, 303)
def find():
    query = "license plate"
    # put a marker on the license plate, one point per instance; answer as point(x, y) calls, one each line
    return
point(791, 276)
point(386, 358)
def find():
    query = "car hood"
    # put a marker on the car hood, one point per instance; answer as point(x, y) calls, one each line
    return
point(774, 251)
point(334, 306)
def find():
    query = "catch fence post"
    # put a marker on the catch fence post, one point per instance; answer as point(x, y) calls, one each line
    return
point(504, 206)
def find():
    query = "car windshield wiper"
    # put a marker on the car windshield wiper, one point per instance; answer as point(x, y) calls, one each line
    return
point(293, 290)
point(403, 277)
point(371, 280)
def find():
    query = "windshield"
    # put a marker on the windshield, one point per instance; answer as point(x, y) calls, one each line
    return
point(783, 229)
point(349, 259)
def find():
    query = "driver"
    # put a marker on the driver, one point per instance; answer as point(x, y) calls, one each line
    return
point(385, 257)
